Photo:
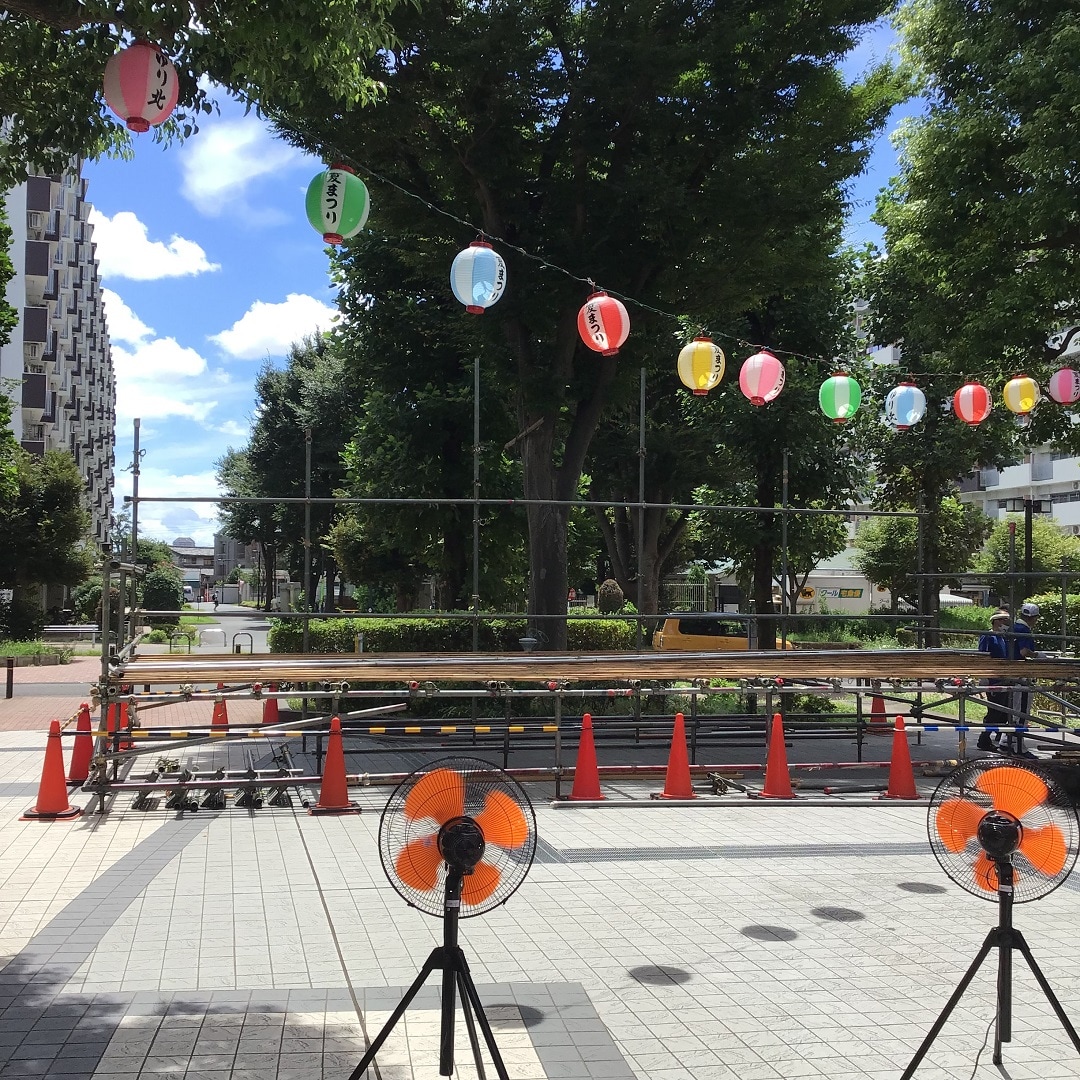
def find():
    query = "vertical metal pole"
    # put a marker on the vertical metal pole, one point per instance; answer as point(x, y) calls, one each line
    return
point(307, 539)
point(1064, 603)
point(1029, 511)
point(476, 506)
point(558, 745)
point(641, 510)
point(106, 621)
point(784, 551)
point(920, 562)
point(1012, 569)
point(136, 458)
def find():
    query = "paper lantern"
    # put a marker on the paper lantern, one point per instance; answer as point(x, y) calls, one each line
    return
point(141, 86)
point(905, 406)
point(1021, 395)
point(840, 397)
point(478, 277)
point(701, 365)
point(603, 323)
point(761, 378)
point(972, 403)
point(337, 204)
point(1064, 386)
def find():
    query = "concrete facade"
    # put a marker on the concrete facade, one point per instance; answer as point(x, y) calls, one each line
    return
point(59, 352)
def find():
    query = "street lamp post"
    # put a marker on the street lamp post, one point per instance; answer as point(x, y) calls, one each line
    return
point(1029, 507)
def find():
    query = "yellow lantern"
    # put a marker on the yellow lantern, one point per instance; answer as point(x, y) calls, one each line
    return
point(701, 365)
point(1021, 395)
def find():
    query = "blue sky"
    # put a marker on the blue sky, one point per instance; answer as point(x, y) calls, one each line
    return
point(210, 268)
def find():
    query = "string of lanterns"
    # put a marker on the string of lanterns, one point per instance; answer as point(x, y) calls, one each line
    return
point(142, 88)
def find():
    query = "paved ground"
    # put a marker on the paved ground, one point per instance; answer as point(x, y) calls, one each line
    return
point(730, 939)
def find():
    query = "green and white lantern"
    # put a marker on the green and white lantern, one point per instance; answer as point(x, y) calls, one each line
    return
point(337, 204)
point(840, 397)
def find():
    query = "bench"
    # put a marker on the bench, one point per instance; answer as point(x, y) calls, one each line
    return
point(79, 632)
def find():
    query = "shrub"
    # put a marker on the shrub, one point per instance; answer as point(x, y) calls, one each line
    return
point(85, 602)
point(439, 635)
point(21, 618)
point(163, 591)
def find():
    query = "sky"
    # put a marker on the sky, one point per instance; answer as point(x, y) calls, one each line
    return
point(210, 270)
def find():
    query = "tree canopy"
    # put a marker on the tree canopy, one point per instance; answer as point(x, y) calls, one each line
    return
point(687, 157)
point(53, 55)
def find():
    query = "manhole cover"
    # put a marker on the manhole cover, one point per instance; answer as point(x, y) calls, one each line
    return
point(768, 933)
point(659, 976)
point(838, 914)
point(920, 887)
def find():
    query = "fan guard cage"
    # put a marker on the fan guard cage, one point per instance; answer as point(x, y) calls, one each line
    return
point(1047, 816)
point(429, 797)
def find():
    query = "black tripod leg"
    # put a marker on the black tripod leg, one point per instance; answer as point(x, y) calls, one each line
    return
point(481, 1018)
point(470, 1024)
point(434, 961)
point(958, 993)
point(446, 1027)
point(1022, 945)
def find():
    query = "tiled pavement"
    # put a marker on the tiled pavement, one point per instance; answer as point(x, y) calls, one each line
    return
point(654, 941)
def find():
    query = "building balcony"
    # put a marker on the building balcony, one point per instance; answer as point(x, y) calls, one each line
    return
point(34, 391)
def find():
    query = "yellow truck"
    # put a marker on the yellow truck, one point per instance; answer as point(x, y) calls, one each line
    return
point(708, 633)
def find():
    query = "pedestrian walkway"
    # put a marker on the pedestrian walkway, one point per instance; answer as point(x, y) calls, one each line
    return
point(742, 941)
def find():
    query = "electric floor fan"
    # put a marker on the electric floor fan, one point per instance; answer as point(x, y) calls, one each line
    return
point(456, 839)
point(1005, 830)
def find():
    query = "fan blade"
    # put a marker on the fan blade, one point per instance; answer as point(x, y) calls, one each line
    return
point(502, 821)
point(480, 884)
point(985, 873)
point(1016, 791)
point(957, 821)
point(418, 863)
point(439, 794)
point(1045, 849)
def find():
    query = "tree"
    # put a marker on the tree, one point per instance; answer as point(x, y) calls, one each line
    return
point(53, 55)
point(982, 235)
point(1052, 551)
point(9, 317)
point(163, 590)
point(44, 529)
point(673, 152)
point(888, 548)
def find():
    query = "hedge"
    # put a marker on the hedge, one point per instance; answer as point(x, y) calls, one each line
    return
point(391, 635)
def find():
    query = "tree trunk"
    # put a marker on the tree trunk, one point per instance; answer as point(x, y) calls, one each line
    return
point(763, 602)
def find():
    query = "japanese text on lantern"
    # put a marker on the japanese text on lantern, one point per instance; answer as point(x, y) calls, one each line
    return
point(159, 96)
point(592, 317)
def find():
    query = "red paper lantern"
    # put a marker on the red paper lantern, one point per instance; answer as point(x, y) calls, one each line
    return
point(761, 377)
point(603, 323)
point(972, 403)
point(141, 86)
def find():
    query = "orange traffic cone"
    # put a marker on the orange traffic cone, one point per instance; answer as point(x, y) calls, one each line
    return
point(877, 711)
point(777, 776)
point(221, 715)
point(586, 773)
point(270, 707)
point(52, 801)
point(334, 793)
point(83, 751)
point(901, 778)
point(677, 781)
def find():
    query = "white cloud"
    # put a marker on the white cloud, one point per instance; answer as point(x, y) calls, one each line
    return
point(220, 165)
point(125, 250)
point(167, 521)
point(160, 378)
point(124, 324)
point(269, 329)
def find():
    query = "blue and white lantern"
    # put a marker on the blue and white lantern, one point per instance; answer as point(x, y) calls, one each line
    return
point(905, 406)
point(478, 277)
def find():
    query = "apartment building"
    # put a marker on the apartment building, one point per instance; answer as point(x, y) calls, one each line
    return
point(59, 352)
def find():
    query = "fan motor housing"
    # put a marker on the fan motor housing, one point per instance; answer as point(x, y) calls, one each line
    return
point(1000, 834)
point(461, 842)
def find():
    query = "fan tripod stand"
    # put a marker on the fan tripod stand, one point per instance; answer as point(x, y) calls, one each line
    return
point(1004, 937)
point(455, 976)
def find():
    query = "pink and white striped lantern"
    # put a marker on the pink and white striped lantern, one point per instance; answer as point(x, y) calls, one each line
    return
point(603, 323)
point(141, 86)
point(1064, 386)
point(972, 403)
point(761, 378)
